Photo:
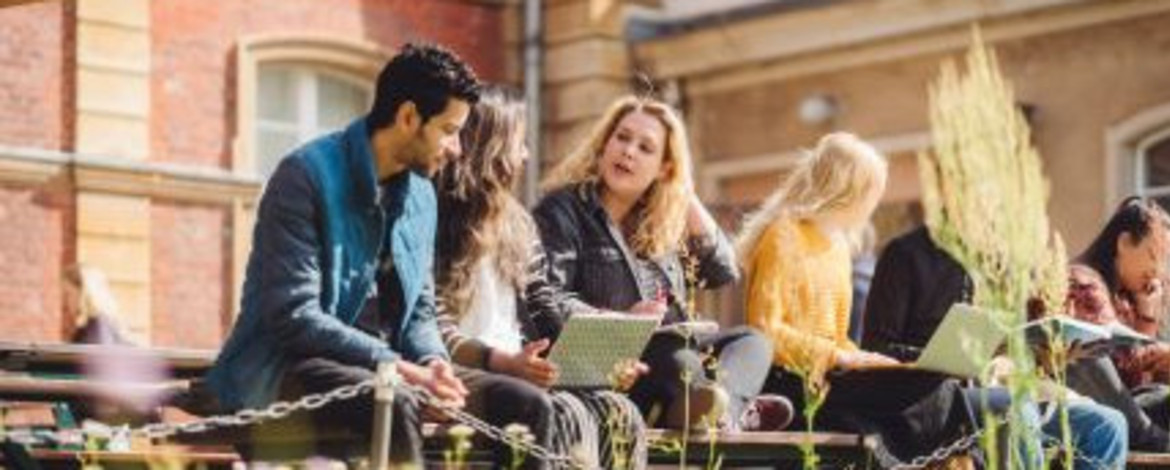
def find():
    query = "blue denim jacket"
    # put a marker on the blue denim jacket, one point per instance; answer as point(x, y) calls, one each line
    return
point(315, 249)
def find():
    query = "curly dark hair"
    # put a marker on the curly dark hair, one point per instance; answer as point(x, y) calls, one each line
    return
point(426, 75)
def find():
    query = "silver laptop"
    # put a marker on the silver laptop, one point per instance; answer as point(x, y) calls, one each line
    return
point(590, 346)
point(964, 343)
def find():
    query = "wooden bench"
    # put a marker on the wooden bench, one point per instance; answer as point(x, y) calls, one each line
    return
point(1147, 460)
point(48, 389)
point(57, 358)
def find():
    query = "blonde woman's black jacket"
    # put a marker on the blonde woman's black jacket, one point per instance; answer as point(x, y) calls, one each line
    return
point(589, 260)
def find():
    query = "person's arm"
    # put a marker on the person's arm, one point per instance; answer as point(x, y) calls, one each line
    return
point(888, 307)
point(560, 233)
point(424, 342)
point(544, 306)
point(710, 246)
point(773, 304)
point(464, 350)
point(286, 265)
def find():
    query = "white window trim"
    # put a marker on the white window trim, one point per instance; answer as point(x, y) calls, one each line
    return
point(356, 57)
point(305, 80)
point(1139, 156)
point(1124, 143)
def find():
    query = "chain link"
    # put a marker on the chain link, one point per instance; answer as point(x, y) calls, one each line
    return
point(966, 443)
point(1093, 462)
point(279, 410)
point(282, 409)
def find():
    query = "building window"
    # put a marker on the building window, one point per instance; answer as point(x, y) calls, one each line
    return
point(297, 103)
point(1153, 167)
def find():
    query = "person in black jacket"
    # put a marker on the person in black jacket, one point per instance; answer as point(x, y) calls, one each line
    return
point(626, 232)
point(914, 286)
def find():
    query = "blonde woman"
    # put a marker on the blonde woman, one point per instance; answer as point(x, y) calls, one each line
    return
point(796, 255)
point(493, 291)
point(619, 215)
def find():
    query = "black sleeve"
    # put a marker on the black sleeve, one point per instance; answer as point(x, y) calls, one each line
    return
point(889, 307)
point(560, 234)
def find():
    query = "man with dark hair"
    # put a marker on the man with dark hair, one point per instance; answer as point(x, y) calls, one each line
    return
point(339, 278)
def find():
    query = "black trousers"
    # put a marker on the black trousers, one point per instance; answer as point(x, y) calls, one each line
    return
point(500, 400)
point(1145, 412)
point(913, 412)
point(744, 356)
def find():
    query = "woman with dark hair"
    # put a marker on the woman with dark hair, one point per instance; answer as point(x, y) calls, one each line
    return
point(1120, 278)
point(1130, 255)
point(493, 292)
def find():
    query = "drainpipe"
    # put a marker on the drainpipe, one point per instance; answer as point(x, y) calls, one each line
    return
point(533, 52)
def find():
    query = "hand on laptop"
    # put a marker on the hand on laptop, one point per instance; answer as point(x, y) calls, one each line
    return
point(528, 365)
point(862, 359)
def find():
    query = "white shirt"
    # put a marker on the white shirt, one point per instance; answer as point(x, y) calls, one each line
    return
point(491, 311)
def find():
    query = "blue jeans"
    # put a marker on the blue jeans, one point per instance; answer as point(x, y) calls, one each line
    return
point(1098, 433)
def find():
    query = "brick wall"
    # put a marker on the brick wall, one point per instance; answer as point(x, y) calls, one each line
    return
point(190, 275)
point(31, 79)
point(193, 122)
point(193, 55)
point(35, 245)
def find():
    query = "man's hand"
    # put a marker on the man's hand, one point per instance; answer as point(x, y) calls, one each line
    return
point(438, 378)
point(528, 365)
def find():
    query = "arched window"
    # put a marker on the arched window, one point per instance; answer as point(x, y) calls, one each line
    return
point(1153, 167)
point(292, 88)
point(298, 102)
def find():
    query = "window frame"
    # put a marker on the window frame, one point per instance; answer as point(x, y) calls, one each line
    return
point(1141, 188)
point(306, 79)
point(355, 57)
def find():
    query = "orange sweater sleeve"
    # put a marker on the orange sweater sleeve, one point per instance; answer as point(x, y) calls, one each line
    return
point(806, 331)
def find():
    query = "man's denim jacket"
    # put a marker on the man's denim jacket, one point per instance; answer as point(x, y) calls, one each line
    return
point(315, 249)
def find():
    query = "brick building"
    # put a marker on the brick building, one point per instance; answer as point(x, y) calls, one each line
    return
point(135, 136)
point(758, 80)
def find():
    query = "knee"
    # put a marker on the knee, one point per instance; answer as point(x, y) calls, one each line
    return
point(407, 408)
point(755, 344)
point(1111, 426)
point(536, 404)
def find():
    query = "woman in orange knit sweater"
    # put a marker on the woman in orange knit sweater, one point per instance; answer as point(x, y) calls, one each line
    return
point(796, 254)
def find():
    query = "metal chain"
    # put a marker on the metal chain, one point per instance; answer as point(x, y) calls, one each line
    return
point(958, 446)
point(282, 409)
point(1093, 462)
point(249, 416)
point(967, 442)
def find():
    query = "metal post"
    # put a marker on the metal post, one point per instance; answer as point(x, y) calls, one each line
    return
point(533, 52)
point(384, 381)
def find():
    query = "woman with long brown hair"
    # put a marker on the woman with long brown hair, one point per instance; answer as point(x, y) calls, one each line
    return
point(493, 291)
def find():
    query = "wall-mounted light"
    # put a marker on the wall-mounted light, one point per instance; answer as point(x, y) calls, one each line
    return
point(817, 109)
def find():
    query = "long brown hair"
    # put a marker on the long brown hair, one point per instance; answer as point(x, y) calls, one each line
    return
point(479, 216)
point(662, 211)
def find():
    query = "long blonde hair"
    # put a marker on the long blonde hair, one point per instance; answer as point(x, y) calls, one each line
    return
point(478, 214)
point(840, 172)
point(660, 217)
